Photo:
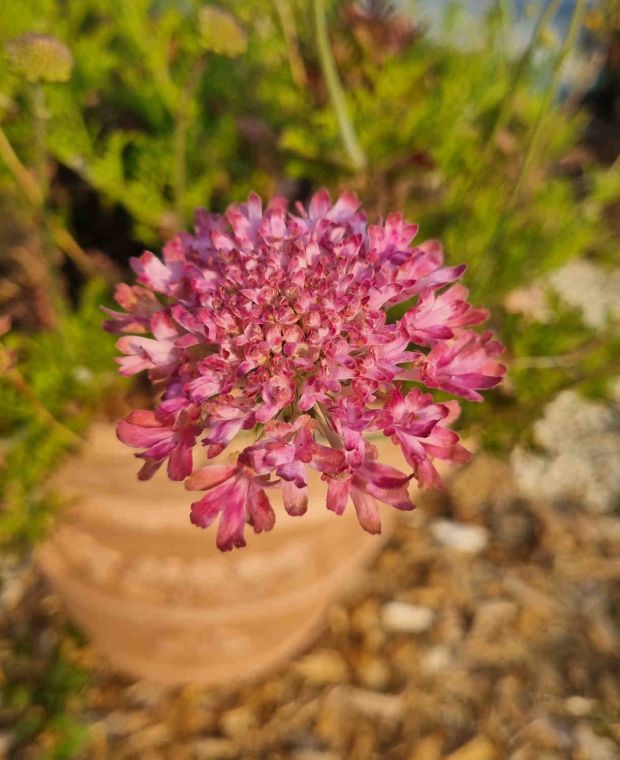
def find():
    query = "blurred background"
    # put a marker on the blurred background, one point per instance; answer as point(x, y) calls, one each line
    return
point(489, 626)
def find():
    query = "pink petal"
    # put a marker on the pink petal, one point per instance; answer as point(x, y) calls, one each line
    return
point(180, 462)
point(209, 476)
point(338, 494)
point(367, 510)
point(294, 472)
point(204, 511)
point(327, 459)
point(139, 436)
point(295, 499)
point(148, 469)
point(260, 510)
point(396, 496)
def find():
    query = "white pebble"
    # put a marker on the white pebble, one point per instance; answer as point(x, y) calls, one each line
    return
point(406, 618)
point(436, 659)
point(471, 539)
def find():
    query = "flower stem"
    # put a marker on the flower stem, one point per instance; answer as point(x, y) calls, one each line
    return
point(485, 271)
point(508, 102)
point(21, 175)
point(508, 99)
point(295, 61)
point(334, 88)
point(330, 435)
point(40, 116)
point(537, 134)
point(180, 134)
point(62, 237)
point(39, 113)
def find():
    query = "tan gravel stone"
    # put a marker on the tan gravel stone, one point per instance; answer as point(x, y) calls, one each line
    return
point(376, 705)
point(401, 617)
point(428, 748)
point(215, 749)
point(323, 667)
point(238, 722)
point(479, 748)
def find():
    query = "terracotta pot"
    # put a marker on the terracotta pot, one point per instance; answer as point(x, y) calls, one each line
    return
point(155, 595)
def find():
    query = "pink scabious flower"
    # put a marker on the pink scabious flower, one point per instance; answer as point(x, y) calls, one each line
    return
point(277, 322)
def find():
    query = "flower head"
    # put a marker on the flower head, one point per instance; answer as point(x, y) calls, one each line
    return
point(277, 321)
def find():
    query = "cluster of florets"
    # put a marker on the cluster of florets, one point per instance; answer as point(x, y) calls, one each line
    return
point(277, 322)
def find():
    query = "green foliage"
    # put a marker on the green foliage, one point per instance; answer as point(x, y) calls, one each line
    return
point(61, 378)
point(43, 698)
point(149, 116)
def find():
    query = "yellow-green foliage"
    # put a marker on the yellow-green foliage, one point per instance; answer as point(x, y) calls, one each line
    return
point(67, 372)
point(142, 74)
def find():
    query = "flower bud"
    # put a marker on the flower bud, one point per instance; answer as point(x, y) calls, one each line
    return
point(40, 58)
point(221, 33)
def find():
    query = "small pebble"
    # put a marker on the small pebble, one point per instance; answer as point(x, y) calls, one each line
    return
point(428, 748)
point(214, 749)
point(12, 589)
point(437, 659)
point(376, 705)
point(579, 706)
point(147, 693)
point(123, 722)
point(5, 744)
point(469, 539)
point(323, 667)
point(149, 738)
point(590, 746)
point(238, 721)
point(402, 617)
point(373, 673)
point(479, 748)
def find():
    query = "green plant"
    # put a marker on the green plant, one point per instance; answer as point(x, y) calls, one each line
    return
point(149, 116)
point(474, 145)
point(41, 691)
point(57, 381)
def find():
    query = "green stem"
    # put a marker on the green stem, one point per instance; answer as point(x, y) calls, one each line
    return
point(295, 61)
point(62, 237)
point(507, 106)
point(39, 112)
point(508, 102)
point(21, 175)
point(537, 135)
point(180, 134)
point(334, 88)
point(505, 21)
point(563, 360)
point(40, 117)
point(486, 269)
point(320, 416)
point(21, 386)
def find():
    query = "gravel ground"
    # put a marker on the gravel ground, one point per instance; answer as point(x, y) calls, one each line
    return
point(489, 628)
